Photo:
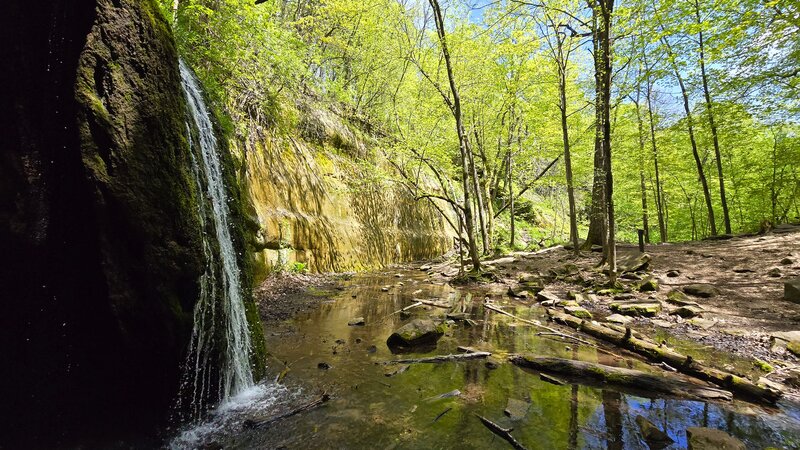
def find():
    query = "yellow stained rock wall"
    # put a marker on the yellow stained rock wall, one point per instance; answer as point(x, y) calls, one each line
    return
point(317, 205)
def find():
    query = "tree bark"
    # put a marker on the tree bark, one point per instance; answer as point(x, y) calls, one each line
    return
point(660, 206)
point(463, 146)
point(690, 125)
point(562, 89)
point(645, 223)
point(714, 135)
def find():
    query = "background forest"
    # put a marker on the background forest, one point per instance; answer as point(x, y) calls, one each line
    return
point(502, 113)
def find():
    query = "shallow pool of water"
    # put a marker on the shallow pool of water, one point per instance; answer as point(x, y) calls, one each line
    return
point(407, 410)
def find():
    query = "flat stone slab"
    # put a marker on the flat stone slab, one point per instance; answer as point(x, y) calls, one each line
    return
point(646, 309)
point(619, 318)
point(680, 299)
point(687, 312)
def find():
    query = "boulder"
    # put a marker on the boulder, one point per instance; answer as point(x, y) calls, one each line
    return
point(356, 321)
point(416, 332)
point(533, 283)
point(518, 292)
point(578, 312)
point(791, 290)
point(653, 436)
point(673, 273)
point(647, 309)
point(547, 295)
point(687, 312)
point(633, 263)
point(619, 318)
point(787, 261)
point(774, 272)
point(710, 439)
point(680, 299)
point(647, 285)
point(702, 290)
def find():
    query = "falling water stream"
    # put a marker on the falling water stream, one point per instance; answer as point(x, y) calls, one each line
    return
point(235, 373)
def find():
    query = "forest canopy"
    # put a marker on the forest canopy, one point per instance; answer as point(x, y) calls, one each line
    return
point(524, 109)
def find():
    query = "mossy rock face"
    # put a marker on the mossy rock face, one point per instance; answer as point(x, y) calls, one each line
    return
point(418, 332)
point(679, 298)
point(647, 309)
point(647, 285)
point(578, 312)
point(793, 347)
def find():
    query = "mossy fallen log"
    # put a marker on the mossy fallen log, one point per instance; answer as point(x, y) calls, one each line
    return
point(683, 363)
point(625, 378)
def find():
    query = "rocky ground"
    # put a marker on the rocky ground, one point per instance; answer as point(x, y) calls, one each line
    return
point(712, 298)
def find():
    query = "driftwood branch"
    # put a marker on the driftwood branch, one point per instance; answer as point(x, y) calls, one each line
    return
point(527, 186)
point(504, 433)
point(683, 363)
point(442, 358)
point(621, 377)
point(252, 423)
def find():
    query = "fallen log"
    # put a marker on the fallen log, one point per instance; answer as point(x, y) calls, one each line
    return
point(504, 433)
point(256, 423)
point(663, 354)
point(621, 377)
point(441, 358)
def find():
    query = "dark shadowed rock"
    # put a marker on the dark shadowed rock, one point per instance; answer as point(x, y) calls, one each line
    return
point(356, 322)
point(653, 436)
point(417, 332)
point(791, 290)
point(673, 273)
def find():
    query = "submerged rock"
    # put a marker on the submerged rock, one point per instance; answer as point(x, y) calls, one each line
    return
point(702, 290)
point(712, 439)
point(516, 409)
point(653, 436)
point(417, 332)
point(356, 322)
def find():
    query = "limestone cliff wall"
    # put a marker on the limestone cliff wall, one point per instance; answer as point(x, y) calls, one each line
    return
point(323, 198)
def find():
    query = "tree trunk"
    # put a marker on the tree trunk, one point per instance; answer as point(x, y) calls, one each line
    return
point(606, 8)
point(660, 206)
point(511, 198)
point(462, 136)
point(562, 88)
point(690, 124)
point(597, 215)
point(645, 224)
point(713, 126)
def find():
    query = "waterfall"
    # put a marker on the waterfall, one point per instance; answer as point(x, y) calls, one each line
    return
point(220, 303)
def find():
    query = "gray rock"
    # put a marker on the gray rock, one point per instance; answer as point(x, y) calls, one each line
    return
point(711, 439)
point(687, 312)
point(357, 321)
point(545, 295)
point(425, 268)
point(702, 290)
point(633, 263)
point(673, 273)
point(787, 261)
point(653, 436)
point(619, 318)
point(791, 290)
point(416, 332)
point(775, 272)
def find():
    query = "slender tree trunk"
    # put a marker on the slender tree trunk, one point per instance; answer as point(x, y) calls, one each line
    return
point(660, 207)
point(645, 224)
point(511, 198)
point(479, 202)
point(690, 124)
point(562, 88)
point(714, 135)
point(462, 136)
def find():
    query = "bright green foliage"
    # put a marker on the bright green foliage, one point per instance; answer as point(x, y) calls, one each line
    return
point(378, 64)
